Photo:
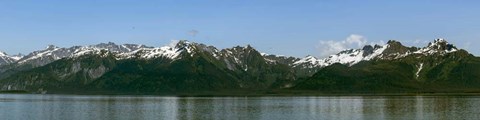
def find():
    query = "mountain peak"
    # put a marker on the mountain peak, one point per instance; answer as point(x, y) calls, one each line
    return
point(396, 48)
point(3, 53)
point(107, 44)
point(310, 57)
point(183, 44)
point(442, 44)
point(437, 42)
point(309, 61)
point(394, 43)
point(243, 48)
point(440, 40)
point(6, 59)
point(51, 47)
point(368, 49)
point(249, 46)
point(438, 46)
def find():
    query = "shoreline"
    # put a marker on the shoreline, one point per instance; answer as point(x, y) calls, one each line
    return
point(252, 94)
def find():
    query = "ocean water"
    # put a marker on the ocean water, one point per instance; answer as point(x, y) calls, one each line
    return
point(85, 107)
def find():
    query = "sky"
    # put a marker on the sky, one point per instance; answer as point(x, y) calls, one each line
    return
point(284, 27)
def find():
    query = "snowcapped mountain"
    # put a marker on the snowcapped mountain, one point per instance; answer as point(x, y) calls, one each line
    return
point(188, 66)
point(236, 58)
point(52, 53)
point(349, 57)
point(439, 67)
point(170, 52)
point(440, 46)
point(184, 62)
point(17, 57)
point(42, 57)
point(392, 50)
point(110, 47)
point(6, 59)
point(281, 59)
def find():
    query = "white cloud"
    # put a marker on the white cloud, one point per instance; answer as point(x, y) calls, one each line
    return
point(173, 43)
point(330, 47)
point(356, 39)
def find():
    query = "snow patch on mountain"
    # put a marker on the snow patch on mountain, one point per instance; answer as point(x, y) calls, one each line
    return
point(50, 51)
point(171, 51)
point(5, 59)
point(310, 61)
point(419, 70)
point(348, 57)
point(3, 54)
point(149, 53)
point(353, 56)
point(437, 46)
point(17, 57)
point(234, 58)
point(377, 52)
point(85, 51)
point(274, 59)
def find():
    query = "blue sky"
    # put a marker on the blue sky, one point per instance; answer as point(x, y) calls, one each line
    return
point(289, 27)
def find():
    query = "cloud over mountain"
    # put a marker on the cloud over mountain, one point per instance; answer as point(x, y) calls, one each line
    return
point(329, 47)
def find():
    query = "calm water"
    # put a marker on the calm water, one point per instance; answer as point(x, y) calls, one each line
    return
point(72, 107)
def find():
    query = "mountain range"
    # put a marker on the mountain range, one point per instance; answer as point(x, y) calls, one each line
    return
point(188, 67)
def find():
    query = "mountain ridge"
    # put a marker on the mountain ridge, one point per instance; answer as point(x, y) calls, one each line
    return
point(392, 50)
point(438, 67)
point(194, 67)
point(126, 48)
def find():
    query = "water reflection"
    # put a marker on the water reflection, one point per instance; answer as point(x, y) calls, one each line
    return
point(59, 107)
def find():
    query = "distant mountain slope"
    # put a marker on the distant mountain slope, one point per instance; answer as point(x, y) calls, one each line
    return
point(53, 53)
point(5, 59)
point(189, 67)
point(439, 67)
point(185, 67)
